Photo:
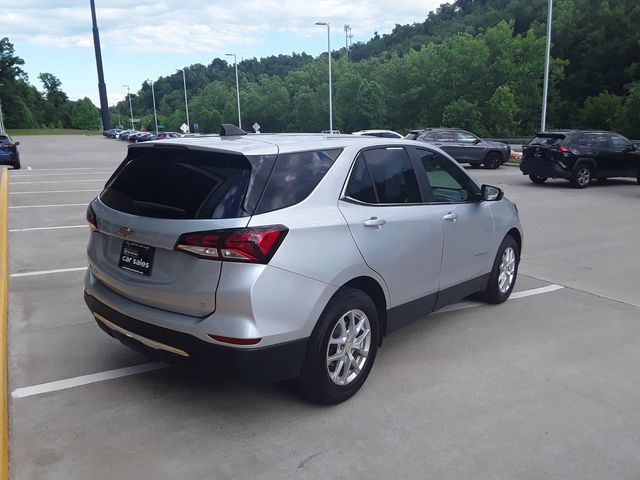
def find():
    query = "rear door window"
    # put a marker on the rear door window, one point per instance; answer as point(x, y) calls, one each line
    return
point(393, 175)
point(466, 137)
point(445, 137)
point(360, 186)
point(180, 184)
point(294, 177)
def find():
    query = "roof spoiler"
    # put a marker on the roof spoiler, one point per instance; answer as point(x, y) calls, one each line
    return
point(229, 130)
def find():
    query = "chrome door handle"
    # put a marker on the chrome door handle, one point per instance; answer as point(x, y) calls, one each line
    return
point(450, 217)
point(374, 222)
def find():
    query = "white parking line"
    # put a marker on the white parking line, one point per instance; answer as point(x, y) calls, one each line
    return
point(32, 175)
point(33, 229)
point(86, 379)
point(46, 272)
point(146, 367)
point(60, 181)
point(55, 191)
point(52, 205)
point(514, 296)
point(64, 169)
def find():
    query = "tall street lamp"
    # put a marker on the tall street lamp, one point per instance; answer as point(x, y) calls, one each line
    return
point(235, 62)
point(329, 55)
point(547, 59)
point(153, 96)
point(186, 105)
point(130, 107)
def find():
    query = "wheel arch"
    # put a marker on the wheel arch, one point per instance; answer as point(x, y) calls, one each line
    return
point(517, 236)
point(374, 290)
point(588, 160)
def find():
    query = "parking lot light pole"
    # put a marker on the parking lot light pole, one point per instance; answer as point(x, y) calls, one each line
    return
point(130, 107)
point(329, 55)
point(186, 104)
point(235, 62)
point(153, 96)
point(545, 90)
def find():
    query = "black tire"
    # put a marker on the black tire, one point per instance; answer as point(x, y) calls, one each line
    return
point(16, 164)
point(538, 180)
point(493, 160)
point(582, 176)
point(492, 292)
point(315, 382)
point(638, 179)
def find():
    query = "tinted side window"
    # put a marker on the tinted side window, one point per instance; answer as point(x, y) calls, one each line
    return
point(466, 137)
point(445, 137)
point(620, 144)
point(393, 175)
point(597, 140)
point(360, 186)
point(448, 183)
point(294, 177)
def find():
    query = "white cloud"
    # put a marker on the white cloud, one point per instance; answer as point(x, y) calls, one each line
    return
point(145, 25)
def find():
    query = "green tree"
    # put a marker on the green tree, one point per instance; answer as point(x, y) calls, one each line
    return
point(503, 110)
point(628, 120)
point(85, 115)
point(463, 114)
point(600, 112)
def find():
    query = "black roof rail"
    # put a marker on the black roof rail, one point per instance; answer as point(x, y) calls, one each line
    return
point(229, 130)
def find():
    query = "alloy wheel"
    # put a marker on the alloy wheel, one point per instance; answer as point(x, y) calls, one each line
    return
point(507, 269)
point(348, 347)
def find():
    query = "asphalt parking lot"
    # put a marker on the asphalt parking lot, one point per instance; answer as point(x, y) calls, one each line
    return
point(546, 385)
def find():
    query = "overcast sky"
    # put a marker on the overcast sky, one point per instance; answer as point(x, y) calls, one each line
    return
point(147, 39)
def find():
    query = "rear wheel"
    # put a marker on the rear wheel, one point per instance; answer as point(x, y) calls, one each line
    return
point(342, 348)
point(537, 179)
point(504, 273)
point(582, 176)
point(492, 160)
point(16, 164)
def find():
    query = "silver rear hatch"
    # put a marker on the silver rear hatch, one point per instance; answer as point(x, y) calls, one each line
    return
point(154, 197)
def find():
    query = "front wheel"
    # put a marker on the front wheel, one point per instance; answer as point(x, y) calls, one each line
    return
point(492, 160)
point(342, 348)
point(582, 176)
point(537, 179)
point(503, 274)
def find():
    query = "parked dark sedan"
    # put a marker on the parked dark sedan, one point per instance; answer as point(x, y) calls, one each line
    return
point(580, 156)
point(9, 152)
point(464, 146)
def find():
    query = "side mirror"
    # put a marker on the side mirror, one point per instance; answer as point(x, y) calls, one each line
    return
point(491, 193)
point(16, 143)
point(477, 140)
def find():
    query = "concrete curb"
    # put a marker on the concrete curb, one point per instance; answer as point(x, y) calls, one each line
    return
point(4, 310)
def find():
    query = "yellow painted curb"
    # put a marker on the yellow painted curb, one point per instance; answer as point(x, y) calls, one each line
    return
point(4, 310)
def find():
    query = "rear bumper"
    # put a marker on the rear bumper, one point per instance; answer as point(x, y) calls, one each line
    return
point(257, 365)
point(549, 169)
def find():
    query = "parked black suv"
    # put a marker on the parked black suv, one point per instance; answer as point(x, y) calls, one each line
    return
point(464, 146)
point(580, 156)
point(9, 152)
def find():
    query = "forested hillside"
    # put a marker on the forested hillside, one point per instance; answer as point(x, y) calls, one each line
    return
point(476, 64)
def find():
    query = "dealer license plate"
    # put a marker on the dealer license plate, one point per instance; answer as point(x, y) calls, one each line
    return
point(136, 258)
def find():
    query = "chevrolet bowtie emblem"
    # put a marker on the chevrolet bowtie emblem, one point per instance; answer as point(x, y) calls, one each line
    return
point(126, 232)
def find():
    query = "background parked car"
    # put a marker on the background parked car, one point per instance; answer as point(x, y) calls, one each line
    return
point(379, 133)
point(464, 146)
point(9, 152)
point(580, 156)
point(166, 135)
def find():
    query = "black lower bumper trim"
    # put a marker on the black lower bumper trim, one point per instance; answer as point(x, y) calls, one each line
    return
point(256, 365)
point(548, 169)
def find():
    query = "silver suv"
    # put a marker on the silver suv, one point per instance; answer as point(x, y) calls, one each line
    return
point(273, 257)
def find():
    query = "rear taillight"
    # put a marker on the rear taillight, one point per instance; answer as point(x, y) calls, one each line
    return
point(91, 219)
point(253, 245)
point(561, 149)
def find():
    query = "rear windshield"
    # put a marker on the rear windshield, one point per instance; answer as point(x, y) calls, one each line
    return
point(180, 184)
point(550, 139)
point(4, 140)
